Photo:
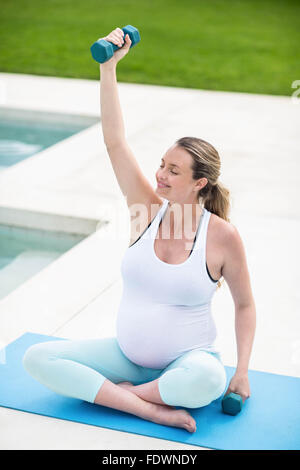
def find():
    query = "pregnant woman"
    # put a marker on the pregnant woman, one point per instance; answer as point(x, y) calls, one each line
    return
point(163, 355)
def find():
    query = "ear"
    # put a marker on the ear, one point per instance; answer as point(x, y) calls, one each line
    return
point(202, 182)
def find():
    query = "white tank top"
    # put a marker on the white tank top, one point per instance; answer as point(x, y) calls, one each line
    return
point(165, 309)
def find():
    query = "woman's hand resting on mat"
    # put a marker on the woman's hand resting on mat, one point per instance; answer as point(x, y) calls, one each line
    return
point(116, 37)
point(239, 384)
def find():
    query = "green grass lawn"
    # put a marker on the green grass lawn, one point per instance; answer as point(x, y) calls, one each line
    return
point(229, 45)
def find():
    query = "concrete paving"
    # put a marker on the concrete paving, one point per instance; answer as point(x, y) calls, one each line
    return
point(71, 187)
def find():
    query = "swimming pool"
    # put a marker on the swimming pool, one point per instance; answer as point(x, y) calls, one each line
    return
point(24, 133)
point(24, 252)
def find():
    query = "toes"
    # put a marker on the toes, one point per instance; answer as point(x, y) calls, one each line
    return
point(192, 425)
point(189, 428)
point(192, 428)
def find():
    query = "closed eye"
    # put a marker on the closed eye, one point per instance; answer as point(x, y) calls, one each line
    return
point(170, 170)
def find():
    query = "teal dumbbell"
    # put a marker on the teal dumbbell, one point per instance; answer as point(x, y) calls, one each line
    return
point(232, 404)
point(103, 50)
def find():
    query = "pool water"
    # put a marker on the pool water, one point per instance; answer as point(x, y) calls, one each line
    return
point(24, 252)
point(25, 133)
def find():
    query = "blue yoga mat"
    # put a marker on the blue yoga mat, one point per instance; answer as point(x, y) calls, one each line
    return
point(270, 419)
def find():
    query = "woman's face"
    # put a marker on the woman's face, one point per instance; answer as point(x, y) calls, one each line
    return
point(176, 174)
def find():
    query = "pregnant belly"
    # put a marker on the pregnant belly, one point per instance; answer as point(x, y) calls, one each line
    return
point(158, 334)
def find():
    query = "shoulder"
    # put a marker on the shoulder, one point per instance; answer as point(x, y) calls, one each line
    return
point(223, 231)
point(227, 237)
point(235, 268)
point(233, 253)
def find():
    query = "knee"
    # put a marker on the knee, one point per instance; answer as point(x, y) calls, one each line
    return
point(34, 357)
point(193, 387)
point(217, 381)
point(208, 385)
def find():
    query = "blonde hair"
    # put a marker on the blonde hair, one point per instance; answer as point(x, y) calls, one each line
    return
point(207, 164)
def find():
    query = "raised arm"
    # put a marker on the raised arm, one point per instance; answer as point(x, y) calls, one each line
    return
point(111, 114)
point(134, 185)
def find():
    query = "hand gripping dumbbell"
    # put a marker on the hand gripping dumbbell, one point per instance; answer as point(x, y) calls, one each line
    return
point(232, 404)
point(103, 50)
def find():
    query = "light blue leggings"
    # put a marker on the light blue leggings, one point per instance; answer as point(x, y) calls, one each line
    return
point(79, 368)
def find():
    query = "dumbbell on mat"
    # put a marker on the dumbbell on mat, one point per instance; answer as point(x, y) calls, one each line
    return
point(232, 404)
point(103, 50)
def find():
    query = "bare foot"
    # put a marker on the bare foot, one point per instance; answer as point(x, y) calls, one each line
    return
point(129, 386)
point(165, 414)
point(172, 417)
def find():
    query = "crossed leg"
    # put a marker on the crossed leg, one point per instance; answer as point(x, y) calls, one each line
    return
point(91, 369)
point(193, 380)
